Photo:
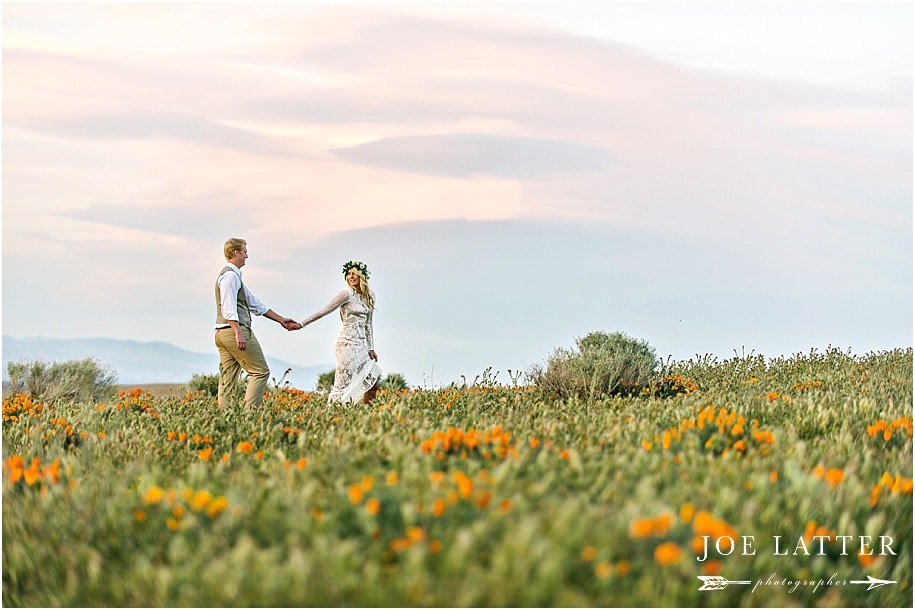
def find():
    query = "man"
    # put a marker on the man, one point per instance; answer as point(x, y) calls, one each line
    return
point(237, 345)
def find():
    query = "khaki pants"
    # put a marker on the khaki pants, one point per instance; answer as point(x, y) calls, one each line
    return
point(231, 362)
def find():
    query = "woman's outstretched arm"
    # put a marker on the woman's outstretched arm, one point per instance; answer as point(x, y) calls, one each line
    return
point(338, 300)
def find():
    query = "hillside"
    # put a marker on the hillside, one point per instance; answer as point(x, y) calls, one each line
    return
point(137, 362)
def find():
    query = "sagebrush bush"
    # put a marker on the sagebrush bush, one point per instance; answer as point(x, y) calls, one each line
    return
point(73, 380)
point(602, 364)
point(393, 382)
point(206, 383)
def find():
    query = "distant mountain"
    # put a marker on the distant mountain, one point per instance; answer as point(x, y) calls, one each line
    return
point(137, 362)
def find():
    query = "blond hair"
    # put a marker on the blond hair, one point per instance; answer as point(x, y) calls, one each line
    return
point(232, 245)
point(363, 291)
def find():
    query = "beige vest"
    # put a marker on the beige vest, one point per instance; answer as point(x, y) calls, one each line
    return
point(244, 314)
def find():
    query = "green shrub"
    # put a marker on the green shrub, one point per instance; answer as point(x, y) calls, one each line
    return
point(206, 383)
point(393, 382)
point(602, 364)
point(326, 381)
point(72, 380)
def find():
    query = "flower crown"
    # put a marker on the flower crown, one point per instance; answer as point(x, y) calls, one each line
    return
point(358, 266)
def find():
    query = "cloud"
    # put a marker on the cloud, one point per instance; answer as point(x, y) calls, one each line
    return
point(468, 154)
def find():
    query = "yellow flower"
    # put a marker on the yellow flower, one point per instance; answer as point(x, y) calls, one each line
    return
point(603, 570)
point(200, 500)
point(687, 511)
point(153, 495)
point(216, 506)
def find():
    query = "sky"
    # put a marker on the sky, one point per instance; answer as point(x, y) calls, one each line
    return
point(713, 179)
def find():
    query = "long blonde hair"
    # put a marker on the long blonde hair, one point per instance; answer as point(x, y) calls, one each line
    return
point(364, 293)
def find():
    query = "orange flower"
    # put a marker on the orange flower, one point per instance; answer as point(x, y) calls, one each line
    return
point(483, 498)
point(603, 570)
point(367, 482)
point(438, 507)
point(834, 476)
point(588, 553)
point(204, 454)
point(667, 553)
point(465, 485)
point(416, 534)
point(640, 528)
point(866, 560)
point(373, 506)
point(355, 494)
point(244, 447)
point(301, 463)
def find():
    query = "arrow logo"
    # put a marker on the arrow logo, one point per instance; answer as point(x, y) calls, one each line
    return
point(716, 583)
point(873, 582)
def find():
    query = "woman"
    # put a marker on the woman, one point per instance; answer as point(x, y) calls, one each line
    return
point(357, 372)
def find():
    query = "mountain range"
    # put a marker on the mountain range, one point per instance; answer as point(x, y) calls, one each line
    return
point(137, 362)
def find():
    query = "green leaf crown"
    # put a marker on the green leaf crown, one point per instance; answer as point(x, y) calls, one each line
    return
point(359, 266)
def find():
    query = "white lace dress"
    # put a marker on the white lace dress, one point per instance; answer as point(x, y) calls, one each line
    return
point(356, 373)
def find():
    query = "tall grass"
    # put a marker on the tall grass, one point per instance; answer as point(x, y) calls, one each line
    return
point(480, 495)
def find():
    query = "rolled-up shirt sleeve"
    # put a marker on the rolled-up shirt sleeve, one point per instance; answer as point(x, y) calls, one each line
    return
point(256, 306)
point(229, 284)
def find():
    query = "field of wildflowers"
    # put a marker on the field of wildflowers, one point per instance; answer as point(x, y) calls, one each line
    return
point(743, 482)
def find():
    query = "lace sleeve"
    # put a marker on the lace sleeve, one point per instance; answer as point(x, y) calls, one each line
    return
point(341, 298)
point(370, 330)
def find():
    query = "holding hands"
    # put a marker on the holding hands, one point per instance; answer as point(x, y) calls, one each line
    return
point(290, 324)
